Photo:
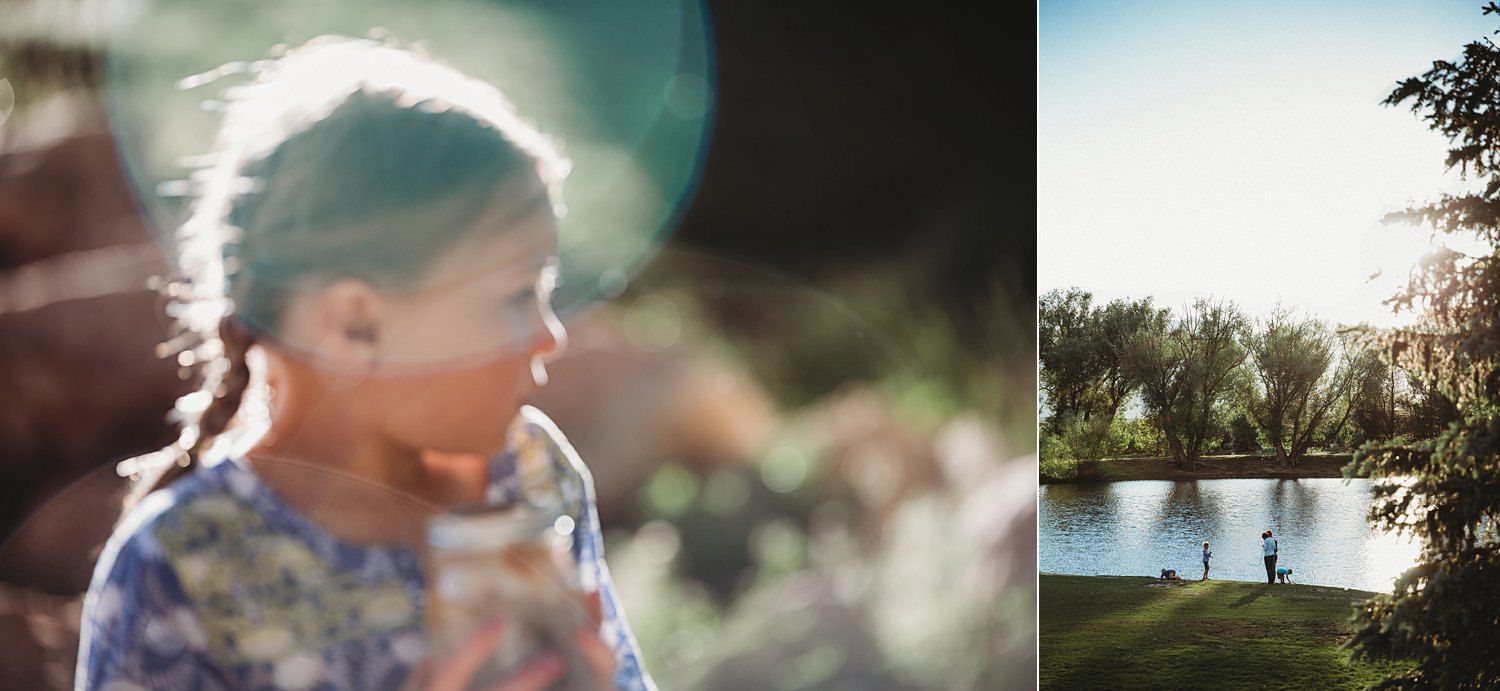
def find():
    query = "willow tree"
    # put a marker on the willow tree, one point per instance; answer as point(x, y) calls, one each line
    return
point(1068, 349)
point(1115, 325)
point(1444, 613)
point(1304, 383)
point(1185, 369)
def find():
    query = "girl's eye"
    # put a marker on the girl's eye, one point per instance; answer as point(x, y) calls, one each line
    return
point(524, 298)
point(539, 292)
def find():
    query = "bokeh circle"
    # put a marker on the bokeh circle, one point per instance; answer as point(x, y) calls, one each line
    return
point(626, 88)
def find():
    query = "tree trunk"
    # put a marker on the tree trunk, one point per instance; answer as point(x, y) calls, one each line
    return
point(1191, 451)
point(1299, 451)
point(1179, 455)
point(1391, 397)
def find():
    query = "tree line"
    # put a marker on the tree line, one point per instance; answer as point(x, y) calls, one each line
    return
point(1210, 378)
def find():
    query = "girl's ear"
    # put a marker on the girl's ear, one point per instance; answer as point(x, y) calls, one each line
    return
point(348, 314)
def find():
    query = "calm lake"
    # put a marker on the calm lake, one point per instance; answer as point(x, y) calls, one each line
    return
point(1139, 528)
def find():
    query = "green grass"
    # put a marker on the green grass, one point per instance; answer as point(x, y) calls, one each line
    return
point(1118, 632)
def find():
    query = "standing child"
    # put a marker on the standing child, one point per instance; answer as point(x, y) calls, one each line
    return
point(1206, 556)
point(380, 231)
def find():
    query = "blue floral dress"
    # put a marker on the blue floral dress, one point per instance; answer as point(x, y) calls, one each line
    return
point(216, 583)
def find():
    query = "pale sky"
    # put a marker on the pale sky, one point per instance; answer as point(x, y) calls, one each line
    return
point(1239, 150)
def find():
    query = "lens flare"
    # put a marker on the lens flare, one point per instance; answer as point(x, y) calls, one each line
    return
point(628, 91)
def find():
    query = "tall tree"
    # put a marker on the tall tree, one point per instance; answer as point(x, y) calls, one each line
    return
point(1116, 324)
point(1441, 613)
point(1069, 352)
point(1378, 386)
point(1185, 370)
point(1299, 398)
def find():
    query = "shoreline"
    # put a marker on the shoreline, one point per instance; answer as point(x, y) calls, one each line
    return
point(1210, 468)
point(1108, 579)
point(1365, 594)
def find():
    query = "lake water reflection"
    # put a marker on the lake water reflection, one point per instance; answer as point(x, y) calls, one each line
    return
point(1139, 528)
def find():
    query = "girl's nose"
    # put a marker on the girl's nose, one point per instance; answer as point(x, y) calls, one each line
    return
point(551, 341)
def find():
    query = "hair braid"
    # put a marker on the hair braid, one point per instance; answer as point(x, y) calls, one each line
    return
point(228, 392)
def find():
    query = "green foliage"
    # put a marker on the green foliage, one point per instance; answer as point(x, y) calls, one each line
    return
point(1442, 612)
point(1392, 403)
point(1187, 369)
point(1425, 411)
point(1243, 437)
point(1056, 461)
point(1373, 417)
point(1115, 327)
point(1073, 454)
point(1095, 438)
point(1142, 437)
point(1297, 400)
point(1081, 349)
point(1070, 358)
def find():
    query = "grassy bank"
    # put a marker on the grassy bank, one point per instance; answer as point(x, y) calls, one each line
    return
point(1123, 632)
point(1210, 467)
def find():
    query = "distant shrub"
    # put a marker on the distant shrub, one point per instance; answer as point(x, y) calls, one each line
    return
point(1142, 437)
point(1095, 438)
point(1056, 461)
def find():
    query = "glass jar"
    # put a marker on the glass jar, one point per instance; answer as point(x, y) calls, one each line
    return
point(513, 563)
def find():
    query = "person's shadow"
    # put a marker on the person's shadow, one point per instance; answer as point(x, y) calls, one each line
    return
point(1252, 596)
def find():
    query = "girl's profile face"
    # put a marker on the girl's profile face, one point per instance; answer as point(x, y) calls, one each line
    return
point(484, 298)
point(457, 357)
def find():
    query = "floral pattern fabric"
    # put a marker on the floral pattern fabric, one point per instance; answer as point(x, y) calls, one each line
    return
point(216, 583)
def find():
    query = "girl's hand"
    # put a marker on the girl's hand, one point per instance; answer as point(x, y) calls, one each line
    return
point(457, 672)
point(601, 658)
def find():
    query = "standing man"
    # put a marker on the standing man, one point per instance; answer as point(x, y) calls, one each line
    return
point(1271, 548)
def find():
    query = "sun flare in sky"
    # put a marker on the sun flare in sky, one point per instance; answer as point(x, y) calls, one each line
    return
point(1239, 151)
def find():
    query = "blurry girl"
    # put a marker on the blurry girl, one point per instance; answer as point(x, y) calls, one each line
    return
point(380, 230)
point(1206, 556)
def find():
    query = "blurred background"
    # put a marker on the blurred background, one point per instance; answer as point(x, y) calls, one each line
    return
point(805, 380)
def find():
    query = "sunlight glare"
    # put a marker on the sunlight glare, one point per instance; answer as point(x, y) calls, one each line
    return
point(1388, 555)
point(1387, 256)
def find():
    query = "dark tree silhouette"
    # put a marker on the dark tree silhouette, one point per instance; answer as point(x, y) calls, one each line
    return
point(1444, 613)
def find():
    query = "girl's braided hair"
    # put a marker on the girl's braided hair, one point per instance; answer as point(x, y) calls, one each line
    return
point(343, 158)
